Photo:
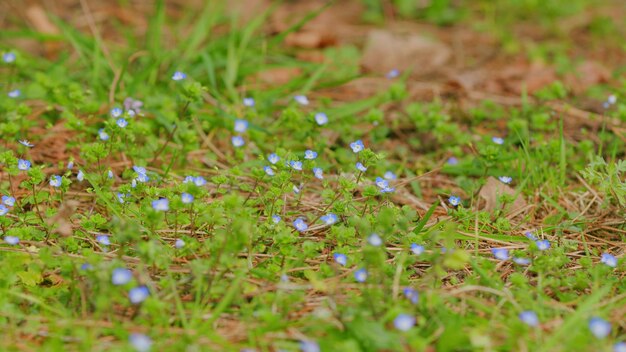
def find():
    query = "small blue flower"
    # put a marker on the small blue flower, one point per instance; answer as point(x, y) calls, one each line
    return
point(543, 245)
point(120, 197)
point(340, 259)
point(178, 76)
point(26, 143)
point(387, 190)
point(300, 225)
point(417, 249)
point(86, 266)
point(393, 73)
point(186, 198)
point(121, 276)
point(360, 167)
point(11, 240)
point(500, 253)
point(521, 261)
point(269, 171)
point(454, 201)
point(133, 183)
point(138, 294)
point(23, 165)
point(296, 165)
point(497, 140)
point(329, 218)
point(80, 176)
point(505, 179)
point(140, 342)
point(321, 118)
point(375, 240)
point(8, 201)
point(389, 175)
point(357, 146)
point(411, 294)
point(606, 258)
point(161, 204)
point(276, 219)
point(599, 327)
point(179, 243)
point(452, 161)
point(530, 236)
point(3, 210)
point(612, 99)
point(237, 141)
point(309, 346)
point(70, 165)
point(296, 189)
point(273, 158)
point(110, 174)
point(8, 57)
point(249, 102)
point(116, 112)
point(241, 125)
point(103, 135)
point(15, 93)
point(360, 275)
point(529, 318)
point(142, 175)
point(318, 173)
point(381, 182)
point(55, 181)
point(310, 155)
point(121, 122)
point(404, 322)
point(619, 347)
point(199, 181)
point(103, 239)
point(301, 99)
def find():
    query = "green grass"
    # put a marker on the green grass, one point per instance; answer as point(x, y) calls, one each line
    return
point(243, 281)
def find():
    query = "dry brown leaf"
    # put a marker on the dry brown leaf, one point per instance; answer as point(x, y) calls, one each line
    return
point(39, 19)
point(279, 75)
point(494, 189)
point(385, 51)
point(61, 221)
point(587, 74)
point(310, 39)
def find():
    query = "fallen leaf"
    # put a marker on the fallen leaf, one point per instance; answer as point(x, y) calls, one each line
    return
point(494, 189)
point(278, 75)
point(587, 74)
point(310, 39)
point(61, 220)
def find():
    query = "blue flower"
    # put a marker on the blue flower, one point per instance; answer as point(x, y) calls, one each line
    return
point(357, 146)
point(454, 201)
point(132, 106)
point(161, 204)
point(269, 171)
point(116, 112)
point(340, 259)
point(360, 167)
point(296, 165)
point(249, 102)
point(309, 346)
point(300, 225)
point(612, 99)
point(273, 158)
point(133, 183)
point(110, 174)
point(26, 143)
point(329, 218)
point(393, 73)
point(178, 76)
point(3, 210)
point(387, 189)
point(404, 322)
point(276, 219)
point(521, 261)
point(15, 93)
point(452, 161)
point(310, 155)
point(619, 347)
point(140, 342)
point(529, 318)
point(142, 175)
point(381, 182)
point(23, 165)
point(500, 253)
point(318, 173)
point(301, 99)
point(138, 294)
point(360, 275)
point(296, 189)
point(530, 236)
point(390, 176)
point(497, 140)
point(599, 327)
point(505, 179)
point(417, 249)
point(11, 240)
point(186, 198)
point(321, 118)
point(237, 141)
point(375, 240)
point(103, 135)
point(80, 176)
point(543, 245)
point(86, 266)
point(121, 122)
point(411, 294)
point(103, 239)
point(55, 181)
point(606, 258)
point(120, 197)
point(8, 201)
point(241, 125)
point(70, 165)
point(179, 243)
point(121, 276)
point(8, 57)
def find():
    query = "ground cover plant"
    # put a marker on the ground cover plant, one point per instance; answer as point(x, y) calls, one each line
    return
point(312, 176)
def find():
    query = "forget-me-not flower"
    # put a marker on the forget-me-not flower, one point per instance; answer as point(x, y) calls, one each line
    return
point(138, 294)
point(121, 276)
point(161, 204)
point(360, 167)
point(296, 189)
point(103, 239)
point(543, 245)
point(26, 143)
point(309, 346)
point(140, 342)
point(530, 236)
point(12, 240)
point(110, 174)
point(521, 261)
point(411, 294)
point(360, 275)
point(121, 122)
point(55, 181)
point(500, 253)
point(417, 249)
point(606, 258)
point(15, 93)
point(116, 112)
point(452, 161)
point(375, 240)
point(612, 99)
point(381, 182)
point(8, 57)
point(329, 218)
point(186, 198)
point(296, 165)
point(318, 173)
point(276, 219)
point(529, 318)
point(103, 135)
point(3, 210)
point(23, 165)
point(178, 76)
point(321, 118)
point(404, 322)
point(300, 224)
point(142, 175)
point(505, 179)
point(8, 201)
point(237, 141)
point(340, 259)
point(273, 158)
point(619, 347)
point(599, 327)
point(454, 201)
point(120, 197)
point(310, 155)
point(241, 125)
point(269, 171)
point(357, 146)
point(301, 99)
point(497, 140)
point(80, 176)
point(179, 243)
point(249, 102)
point(389, 175)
